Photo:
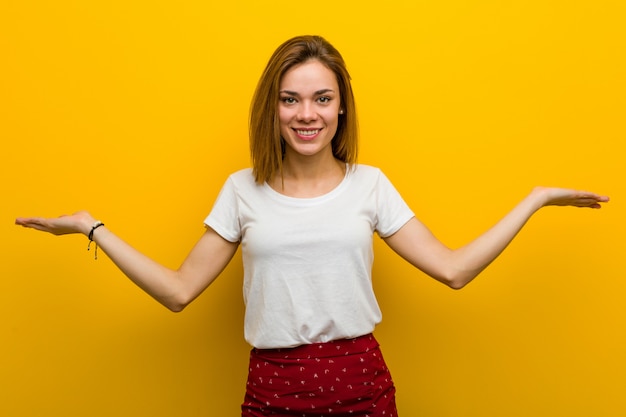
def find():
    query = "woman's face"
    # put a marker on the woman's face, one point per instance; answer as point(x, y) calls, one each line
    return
point(308, 108)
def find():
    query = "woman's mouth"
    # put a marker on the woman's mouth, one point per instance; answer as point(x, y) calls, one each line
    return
point(307, 134)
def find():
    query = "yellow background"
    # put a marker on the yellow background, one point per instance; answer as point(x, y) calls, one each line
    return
point(137, 111)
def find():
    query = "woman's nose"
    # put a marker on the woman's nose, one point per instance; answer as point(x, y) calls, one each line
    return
point(306, 112)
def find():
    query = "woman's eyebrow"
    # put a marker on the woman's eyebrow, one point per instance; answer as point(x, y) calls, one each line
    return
point(318, 92)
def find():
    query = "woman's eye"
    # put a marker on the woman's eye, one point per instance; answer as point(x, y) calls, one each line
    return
point(288, 100)
point(324, 99)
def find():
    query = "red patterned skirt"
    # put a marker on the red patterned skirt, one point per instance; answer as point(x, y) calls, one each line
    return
point(339, 378)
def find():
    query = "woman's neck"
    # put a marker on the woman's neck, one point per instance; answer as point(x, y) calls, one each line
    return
point(308, 177)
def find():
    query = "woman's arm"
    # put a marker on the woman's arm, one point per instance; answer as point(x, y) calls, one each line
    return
point(457, 267)
point(172, 288)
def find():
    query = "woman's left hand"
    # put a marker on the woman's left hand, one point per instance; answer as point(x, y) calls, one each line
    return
point(567, 197)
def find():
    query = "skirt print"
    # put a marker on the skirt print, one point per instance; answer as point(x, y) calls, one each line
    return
point(339, 378)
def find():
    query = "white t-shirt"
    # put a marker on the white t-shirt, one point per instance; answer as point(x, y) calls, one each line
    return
point(308, 261)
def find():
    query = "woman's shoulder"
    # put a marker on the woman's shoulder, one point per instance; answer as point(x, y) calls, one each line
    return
point(244, 174)
point(372, 175)
point(366, 171)
point(239, 180)
point(366, 168)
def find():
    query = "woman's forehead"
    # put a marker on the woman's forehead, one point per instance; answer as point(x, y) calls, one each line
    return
point(309, 76)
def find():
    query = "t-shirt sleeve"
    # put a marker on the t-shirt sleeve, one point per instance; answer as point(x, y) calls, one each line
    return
point(224, 217)
point(392, 210)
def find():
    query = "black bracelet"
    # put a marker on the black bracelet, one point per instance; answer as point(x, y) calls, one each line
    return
point(90, 236)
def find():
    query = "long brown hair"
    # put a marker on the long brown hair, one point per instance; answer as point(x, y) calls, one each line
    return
point(266, 144)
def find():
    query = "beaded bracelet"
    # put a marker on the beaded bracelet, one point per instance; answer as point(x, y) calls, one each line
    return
point(90, 236)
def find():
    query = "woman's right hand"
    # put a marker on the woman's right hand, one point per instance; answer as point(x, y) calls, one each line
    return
point(79, 222)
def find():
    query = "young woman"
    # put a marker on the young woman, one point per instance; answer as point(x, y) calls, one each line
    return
point(305, 216)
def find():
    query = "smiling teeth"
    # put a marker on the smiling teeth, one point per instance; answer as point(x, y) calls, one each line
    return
point(307, 132)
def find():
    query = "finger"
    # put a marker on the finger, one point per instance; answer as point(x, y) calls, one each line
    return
point(588, 202)
point(25, 221)
point(37, 223)
point(594, 196)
